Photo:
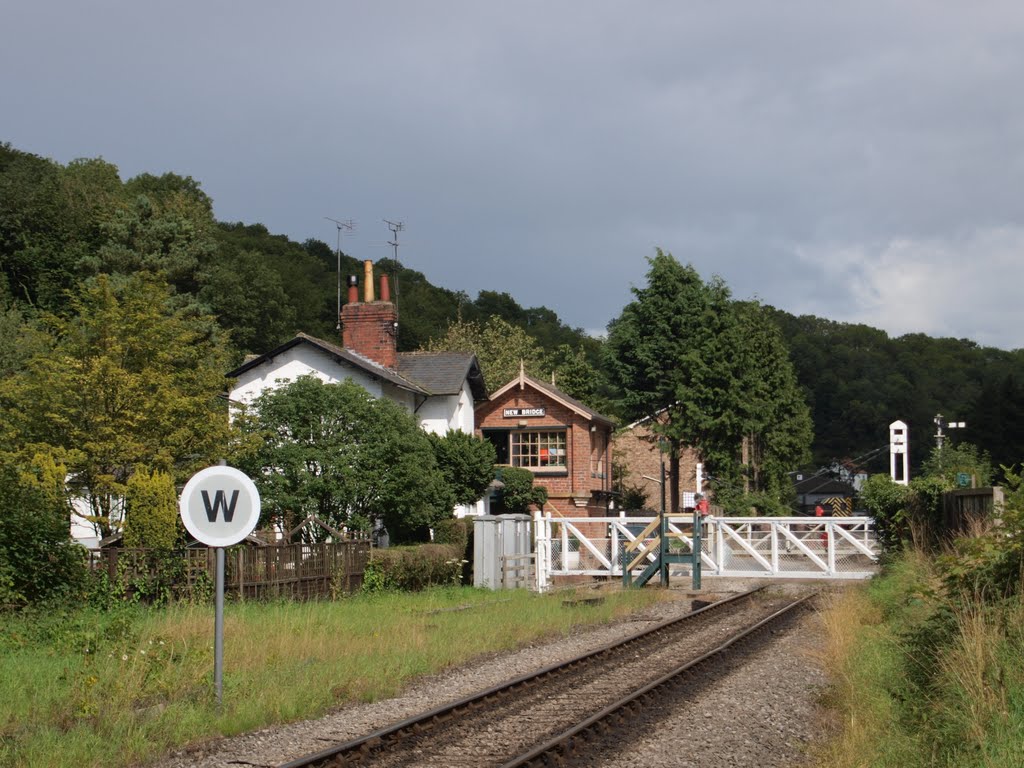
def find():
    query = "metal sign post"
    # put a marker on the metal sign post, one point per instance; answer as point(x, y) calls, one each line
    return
point(219, 506)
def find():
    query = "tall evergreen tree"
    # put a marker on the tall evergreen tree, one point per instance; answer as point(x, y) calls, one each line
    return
point(775, 420)
point(671, 354)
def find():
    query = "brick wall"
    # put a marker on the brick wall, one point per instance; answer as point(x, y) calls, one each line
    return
point(636, 452)
point(570, 490)
point(368, 328)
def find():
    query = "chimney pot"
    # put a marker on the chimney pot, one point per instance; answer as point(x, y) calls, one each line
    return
point(385, 288)
point(353, 289)
point(368, 295)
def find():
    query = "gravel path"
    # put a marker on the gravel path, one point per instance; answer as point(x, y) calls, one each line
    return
point(774, 701)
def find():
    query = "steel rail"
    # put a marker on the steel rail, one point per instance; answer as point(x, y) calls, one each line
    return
point(558, 749)
point(363, 746)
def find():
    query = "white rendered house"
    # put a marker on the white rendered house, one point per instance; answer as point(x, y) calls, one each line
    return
point(439, 388)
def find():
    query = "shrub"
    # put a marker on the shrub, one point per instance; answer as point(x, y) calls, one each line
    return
point(454, 531)
point(519, 492)
point(38, 560)
point(413, 568)
point(459, 534)
point(152, 519)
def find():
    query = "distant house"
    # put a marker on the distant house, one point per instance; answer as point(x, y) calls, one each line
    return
point(834, 496)
point(564, 443)
point(438, 388)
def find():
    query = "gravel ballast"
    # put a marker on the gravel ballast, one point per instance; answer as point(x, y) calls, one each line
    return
point(762, 714)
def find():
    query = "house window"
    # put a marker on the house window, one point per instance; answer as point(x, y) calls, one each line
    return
point(538, 450)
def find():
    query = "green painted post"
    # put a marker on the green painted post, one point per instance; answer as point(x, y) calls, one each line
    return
point(663, 530)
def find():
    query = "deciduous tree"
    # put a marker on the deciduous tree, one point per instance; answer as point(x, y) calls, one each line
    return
point(499, 347)
point(334, 451)
point(125, 381)
point(467, 463)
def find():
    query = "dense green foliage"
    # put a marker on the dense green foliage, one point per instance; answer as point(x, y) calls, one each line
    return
point(411, 569)
point(126, 379)
point(466, 462)
point(37, 559)
point(336, 452)
point(152, 520)
point(520, 492)
point(858, 380)
point(62, 223)
point(991, 563)
point(914, 512)
point(709, 373)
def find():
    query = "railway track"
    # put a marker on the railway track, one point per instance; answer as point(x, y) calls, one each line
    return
point(546, 717)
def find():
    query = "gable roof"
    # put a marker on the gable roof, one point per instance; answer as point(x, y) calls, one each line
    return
point(555, 394)
point(822, 485)
point(443, 373)
point(340, 354)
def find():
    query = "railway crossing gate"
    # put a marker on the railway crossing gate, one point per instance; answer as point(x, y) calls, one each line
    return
point(758, 547)
point(668, 547)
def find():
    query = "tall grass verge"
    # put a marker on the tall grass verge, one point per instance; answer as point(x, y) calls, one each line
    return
point(921, 680)
point(91, 688)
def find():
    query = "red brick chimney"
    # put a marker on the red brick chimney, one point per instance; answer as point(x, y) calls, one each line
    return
point(369, 327)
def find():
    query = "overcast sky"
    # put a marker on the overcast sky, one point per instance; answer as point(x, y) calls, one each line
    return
point(860, 161)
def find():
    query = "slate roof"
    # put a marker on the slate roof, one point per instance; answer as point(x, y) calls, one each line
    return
point(425, 373)
point(822, 485)
point(338, 353)
point(443, 373)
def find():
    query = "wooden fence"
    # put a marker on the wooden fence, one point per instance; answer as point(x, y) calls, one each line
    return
point(296, 571)
point(962, 508)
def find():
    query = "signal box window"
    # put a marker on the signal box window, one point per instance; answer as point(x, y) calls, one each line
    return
point(538, 450)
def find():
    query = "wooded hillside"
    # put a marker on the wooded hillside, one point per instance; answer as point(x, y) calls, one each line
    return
point(61, 225)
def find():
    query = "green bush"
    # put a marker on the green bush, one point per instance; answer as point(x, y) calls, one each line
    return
point(454, 531)
point(152, 519)
point(519, 492)
point(38, 560)
point(413, 568)
point(761, 503)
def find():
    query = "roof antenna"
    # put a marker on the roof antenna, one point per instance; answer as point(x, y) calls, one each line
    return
point(395, 227)
point(350, 226)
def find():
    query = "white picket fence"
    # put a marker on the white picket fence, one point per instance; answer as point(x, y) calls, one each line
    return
point(766, 547)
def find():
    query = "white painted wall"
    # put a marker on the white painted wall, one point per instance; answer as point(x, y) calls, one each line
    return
point(300, 360)
point(305, 360)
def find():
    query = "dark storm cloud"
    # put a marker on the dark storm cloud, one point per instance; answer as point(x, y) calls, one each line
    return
point(858, 161)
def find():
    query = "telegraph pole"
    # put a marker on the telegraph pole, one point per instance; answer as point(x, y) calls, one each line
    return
point(350, 226)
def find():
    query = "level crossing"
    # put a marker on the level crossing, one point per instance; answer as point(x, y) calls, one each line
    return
point(750, 547)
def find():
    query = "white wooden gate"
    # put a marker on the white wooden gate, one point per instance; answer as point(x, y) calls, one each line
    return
point(766, 547)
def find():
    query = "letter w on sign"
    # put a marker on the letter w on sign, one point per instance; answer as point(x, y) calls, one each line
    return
point(219, 502)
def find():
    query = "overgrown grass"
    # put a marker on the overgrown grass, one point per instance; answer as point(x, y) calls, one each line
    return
point(919, 680)
point(91, 688)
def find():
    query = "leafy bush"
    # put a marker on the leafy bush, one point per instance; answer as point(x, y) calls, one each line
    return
point(467, 463)
point(152, 519)
point(886, 501)
point(38, 560)
point(519, 492)
point(761, 503)
point(454, 531)
point(991, 564)
point(413, 568)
